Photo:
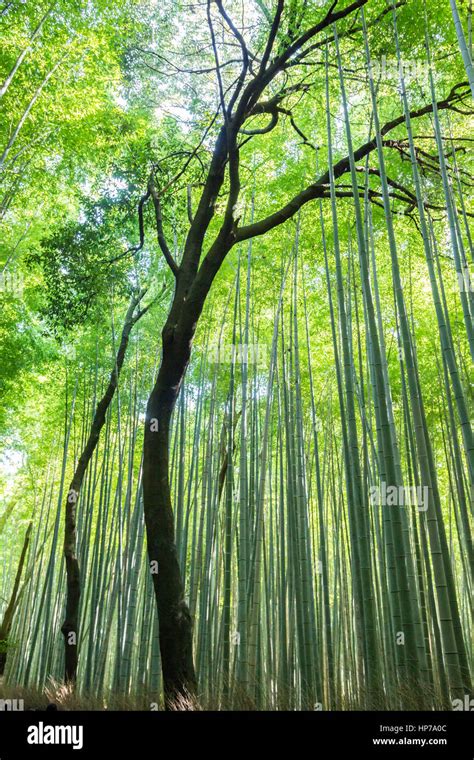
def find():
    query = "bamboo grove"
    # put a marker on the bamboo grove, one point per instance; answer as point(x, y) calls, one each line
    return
point(319, 455)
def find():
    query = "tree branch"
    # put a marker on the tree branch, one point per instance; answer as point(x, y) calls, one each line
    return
point(141, 230)
point(272, 35)
point(341, 167)
point(159, 228)
point(245, 55)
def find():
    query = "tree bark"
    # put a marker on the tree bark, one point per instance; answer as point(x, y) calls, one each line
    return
point(194, 276)
point(70, 627)
point(175, 623)
point(10, 611)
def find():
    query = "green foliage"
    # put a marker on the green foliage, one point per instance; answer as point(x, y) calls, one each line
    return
point(135, 96)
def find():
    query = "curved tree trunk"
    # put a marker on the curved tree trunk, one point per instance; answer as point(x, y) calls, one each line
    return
point(70, 627)
point(6, 625)
point(191, 289)
point(175, 623)
point(194, 275)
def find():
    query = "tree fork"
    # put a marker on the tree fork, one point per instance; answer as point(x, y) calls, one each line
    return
point(194, 279)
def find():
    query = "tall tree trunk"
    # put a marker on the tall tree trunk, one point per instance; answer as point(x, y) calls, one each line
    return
point(194, 276)
point(6, 625)
point(175, 623)
point(192, 287)
point(73, 580)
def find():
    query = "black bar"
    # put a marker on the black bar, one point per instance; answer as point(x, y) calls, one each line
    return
point(302, 734)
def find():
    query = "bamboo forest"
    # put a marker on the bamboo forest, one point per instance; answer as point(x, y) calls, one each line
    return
point(237, 335)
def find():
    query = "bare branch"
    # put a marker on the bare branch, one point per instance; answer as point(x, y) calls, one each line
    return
point(216, 58)
point(263, 130)
point(272, 35)
point(341, 167)
point(159, 227)
point(189, 207)
point(245, 55)
point(134, 249)
point(320, 44)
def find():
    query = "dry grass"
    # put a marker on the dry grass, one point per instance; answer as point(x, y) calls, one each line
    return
point(66, 698)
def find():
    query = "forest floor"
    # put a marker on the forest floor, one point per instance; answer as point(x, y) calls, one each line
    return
point(58, 696)
point(64, 698)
